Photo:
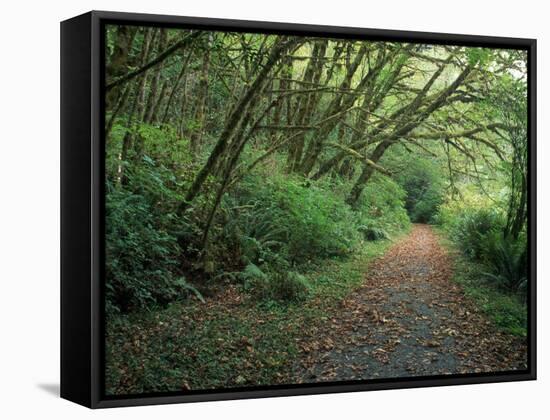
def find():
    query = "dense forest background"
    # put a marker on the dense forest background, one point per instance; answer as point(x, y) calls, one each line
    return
point(269, 165)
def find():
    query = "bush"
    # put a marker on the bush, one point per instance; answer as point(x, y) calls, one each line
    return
point(283, 219)
point(373, 233)
point(381, 209)
point(506, 310)
point(142, 250)
point(469, 200)
point(480, 235)
point(277, 286)
point(507, 260)
point(422, 181)
point(140, 257)
point(289, 287)
point(472, 228)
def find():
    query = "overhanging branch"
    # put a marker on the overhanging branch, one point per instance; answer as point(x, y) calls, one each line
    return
point(360, 157)
point(155, 61)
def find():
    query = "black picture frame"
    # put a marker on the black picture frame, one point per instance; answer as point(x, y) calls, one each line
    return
point(82, 212)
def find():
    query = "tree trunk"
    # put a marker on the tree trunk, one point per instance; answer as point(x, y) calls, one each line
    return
point(175, 87)
point(153, 89)
point(200, 104)
point(307, 103)
point(234, 119)
point(339, 103)
point(407, 115)
point(366, 174)
point(406, 128)
point(158, 102)
point(135, 108)
point(119, 59)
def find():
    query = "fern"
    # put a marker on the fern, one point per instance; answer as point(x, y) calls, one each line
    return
point(252, 271)
point(183, 284)
point(507, 260)
point(373, 233)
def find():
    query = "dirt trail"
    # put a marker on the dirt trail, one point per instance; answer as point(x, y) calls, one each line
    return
point(409, 319)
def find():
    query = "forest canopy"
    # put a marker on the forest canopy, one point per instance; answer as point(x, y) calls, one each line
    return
point(239, 158)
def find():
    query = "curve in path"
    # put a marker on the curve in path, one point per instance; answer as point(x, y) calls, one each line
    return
point(409, 319)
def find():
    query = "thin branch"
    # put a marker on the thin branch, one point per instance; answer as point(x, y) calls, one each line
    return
point(360, 157)
point(154, 62)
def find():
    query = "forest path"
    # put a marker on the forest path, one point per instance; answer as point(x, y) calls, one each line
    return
point(408, 319)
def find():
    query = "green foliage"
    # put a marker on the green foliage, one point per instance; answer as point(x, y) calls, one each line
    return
point(478, 55)
point(373, 233)
point(159, 145)
point(254, 223)
point(283, 216)
point(422, 181)
point(507, 259)
point(181, 282)
point(381, 210)
point(284, 222)
point(480, 235)
point(284, 287)
point(469, 199)
point(142, 250)
point(252, 273)
point(163, 144)
point(507, 311)
point(318, 224)
point(472, 228)
point(140, 256)
point(254, 230)
point(290, 287)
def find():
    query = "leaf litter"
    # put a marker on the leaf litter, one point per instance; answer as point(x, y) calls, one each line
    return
point(409, 319)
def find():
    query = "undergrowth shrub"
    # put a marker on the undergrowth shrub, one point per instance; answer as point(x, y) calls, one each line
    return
point(277, 286)
point(141, 228)
point(373, 233)
point(381, 209)
point(140, 257)
point(421, 179)
point(283, 219)
point(507, 260)
point(290, 287)
point(472, 228)
point(479, 232)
